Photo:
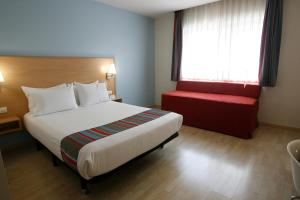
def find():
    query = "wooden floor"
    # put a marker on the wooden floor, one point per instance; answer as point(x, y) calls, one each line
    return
point(198, 165)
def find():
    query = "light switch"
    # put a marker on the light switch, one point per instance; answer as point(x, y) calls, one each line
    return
point(3, 109)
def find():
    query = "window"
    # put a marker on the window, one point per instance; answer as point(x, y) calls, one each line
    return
point(221, 41)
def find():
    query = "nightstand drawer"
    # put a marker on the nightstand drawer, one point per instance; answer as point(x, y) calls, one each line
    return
point(9, 124)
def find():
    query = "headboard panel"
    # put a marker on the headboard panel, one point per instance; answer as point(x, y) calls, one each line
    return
point(46, 72)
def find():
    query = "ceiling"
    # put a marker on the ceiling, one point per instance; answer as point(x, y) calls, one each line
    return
point(153, 8)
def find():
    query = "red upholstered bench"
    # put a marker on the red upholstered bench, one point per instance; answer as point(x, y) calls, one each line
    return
point(229, 108)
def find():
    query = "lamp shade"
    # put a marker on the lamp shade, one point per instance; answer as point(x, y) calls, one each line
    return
point(112, 69)
point(1, 78)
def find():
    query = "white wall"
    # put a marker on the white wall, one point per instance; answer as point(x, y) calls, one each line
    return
point(279, 105)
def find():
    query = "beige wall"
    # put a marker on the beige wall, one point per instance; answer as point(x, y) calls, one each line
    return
point(279, 105)
point(163, 55)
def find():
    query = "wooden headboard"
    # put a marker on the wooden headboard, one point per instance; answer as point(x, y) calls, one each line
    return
point(46, 72)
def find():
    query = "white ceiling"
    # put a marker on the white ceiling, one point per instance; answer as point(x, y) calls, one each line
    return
point(153, 8)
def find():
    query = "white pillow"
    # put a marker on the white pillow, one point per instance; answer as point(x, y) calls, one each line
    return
point(50, 100)
point(103, 92)
point(75, 85)
point(29, 90)
point(90, 94)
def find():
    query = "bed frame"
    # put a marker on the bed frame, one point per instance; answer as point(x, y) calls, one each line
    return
point(86, 183)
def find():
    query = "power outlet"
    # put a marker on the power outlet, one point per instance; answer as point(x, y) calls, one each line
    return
point(3, 110)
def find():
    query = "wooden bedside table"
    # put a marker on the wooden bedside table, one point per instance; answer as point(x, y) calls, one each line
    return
point(9, 124)
point(117, 99)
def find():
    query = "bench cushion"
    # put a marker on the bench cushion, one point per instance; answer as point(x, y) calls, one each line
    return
point(222, 98)
point(237, 89)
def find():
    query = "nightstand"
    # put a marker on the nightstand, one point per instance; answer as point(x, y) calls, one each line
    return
point(10, 124)
point(117, 99)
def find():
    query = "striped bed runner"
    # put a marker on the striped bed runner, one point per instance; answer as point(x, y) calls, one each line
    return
point(71, 144)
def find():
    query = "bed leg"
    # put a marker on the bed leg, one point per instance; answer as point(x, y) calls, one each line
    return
point(55, 161)
point(38, 145)
point(84, 185)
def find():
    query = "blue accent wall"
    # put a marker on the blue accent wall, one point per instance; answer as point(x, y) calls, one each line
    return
point(84, 28)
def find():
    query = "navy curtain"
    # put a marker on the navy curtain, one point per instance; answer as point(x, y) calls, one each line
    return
point(270, 43)
point(177, 46)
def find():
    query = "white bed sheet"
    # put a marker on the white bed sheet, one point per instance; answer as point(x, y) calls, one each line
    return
point(106, 154)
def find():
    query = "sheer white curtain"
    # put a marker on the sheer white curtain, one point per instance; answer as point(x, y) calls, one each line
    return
point(221, 41)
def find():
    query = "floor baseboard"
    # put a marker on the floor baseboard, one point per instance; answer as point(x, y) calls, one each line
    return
point(279, 126)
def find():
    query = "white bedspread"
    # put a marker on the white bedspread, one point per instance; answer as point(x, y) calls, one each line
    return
point(106, 154)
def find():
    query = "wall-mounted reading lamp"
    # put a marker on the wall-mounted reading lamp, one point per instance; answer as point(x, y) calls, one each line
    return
point(1, 81)
point(111, 72)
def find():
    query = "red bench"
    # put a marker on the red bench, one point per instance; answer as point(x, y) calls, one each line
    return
point(229, 108)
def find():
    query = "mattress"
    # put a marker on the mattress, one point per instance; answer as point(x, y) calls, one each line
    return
point(106, 154)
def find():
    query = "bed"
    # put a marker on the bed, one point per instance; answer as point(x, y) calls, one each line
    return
point(51, 130)
point(109, 153)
